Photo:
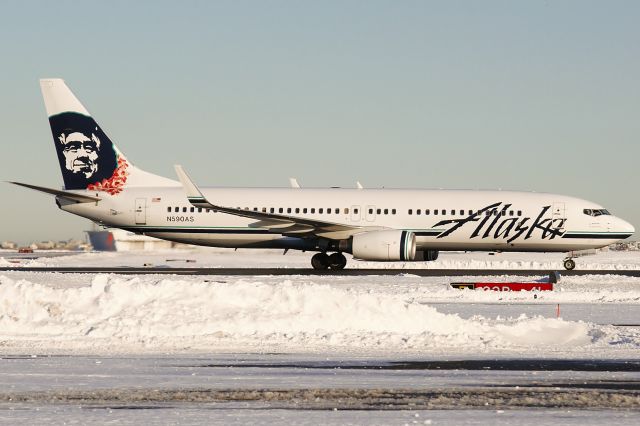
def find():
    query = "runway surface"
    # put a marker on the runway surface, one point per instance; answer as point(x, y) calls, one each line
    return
point(245, 388)
point(152, 270)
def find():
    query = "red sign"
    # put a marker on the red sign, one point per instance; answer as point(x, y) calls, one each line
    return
point(506, 286)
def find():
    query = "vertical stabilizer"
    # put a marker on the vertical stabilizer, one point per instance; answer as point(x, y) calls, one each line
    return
point(88, 158)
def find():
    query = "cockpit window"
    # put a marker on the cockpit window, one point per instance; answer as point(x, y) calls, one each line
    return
point(596, 212)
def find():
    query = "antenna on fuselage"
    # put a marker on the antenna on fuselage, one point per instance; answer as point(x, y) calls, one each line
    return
point(294, 182)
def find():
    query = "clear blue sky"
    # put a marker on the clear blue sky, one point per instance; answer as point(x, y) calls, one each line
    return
point(540, 96)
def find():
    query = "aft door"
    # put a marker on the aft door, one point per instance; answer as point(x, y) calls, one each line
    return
point(141, 211)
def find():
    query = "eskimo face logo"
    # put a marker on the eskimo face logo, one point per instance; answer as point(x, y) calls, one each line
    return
point(87, 157)
point(80, 153)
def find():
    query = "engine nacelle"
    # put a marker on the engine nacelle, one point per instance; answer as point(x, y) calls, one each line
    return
point(384, 245)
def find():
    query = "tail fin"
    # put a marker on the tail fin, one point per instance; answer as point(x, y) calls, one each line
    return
point(88, 159)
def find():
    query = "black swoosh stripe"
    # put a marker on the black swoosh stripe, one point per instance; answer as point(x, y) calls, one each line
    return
point(427, 233)
point(597, 236)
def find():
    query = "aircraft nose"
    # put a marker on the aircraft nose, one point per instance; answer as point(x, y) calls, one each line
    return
point(624, 227)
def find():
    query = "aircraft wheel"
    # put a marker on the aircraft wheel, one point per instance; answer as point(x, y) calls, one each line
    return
point(320, 261)
point(569, 264)
point(337, 261)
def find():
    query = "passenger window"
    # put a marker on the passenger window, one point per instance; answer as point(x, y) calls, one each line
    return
point(304, 210)
point(393, 211)
point(272, 210)
point(410, 212)
point(355, 211)
point(510, 212)
point(297, 209)
point(337, 211)
point(470, 212)
point(386, 211)
point(453, 212)
point(329, 210)
point(427, 212)
point(435, 212)
point(169, 209)
point(199, 209)
point(177, 209)
point(370, 211)
point(280, 210)
point(288, 209)
point(418, 211)
point(192, 209)
point(320, 210)
point(519, 212)
point(184, 210)
point(378, 211)
point(313, 210)
point(461, 212)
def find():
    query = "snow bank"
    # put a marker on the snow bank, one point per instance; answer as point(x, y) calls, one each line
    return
point(172, 314)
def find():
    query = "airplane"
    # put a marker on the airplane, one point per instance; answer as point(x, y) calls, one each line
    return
point(410, 225)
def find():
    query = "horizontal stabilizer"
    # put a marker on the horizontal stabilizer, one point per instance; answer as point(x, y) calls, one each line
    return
point(78, 198)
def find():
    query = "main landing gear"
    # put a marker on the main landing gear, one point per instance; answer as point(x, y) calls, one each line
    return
point(321, 261)
point(569, 264)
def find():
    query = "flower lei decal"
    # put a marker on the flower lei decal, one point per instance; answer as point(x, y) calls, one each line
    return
point(115, 183)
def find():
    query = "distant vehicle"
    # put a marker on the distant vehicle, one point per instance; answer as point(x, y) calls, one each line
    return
point(25, 250)
point(101, 184)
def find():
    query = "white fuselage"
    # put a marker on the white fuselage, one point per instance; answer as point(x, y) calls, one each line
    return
point(441, 219)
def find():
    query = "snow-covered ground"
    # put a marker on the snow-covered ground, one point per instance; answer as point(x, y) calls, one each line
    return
point(125, 341)
point(107, 314)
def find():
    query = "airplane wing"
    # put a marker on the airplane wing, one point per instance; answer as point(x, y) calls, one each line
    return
point(277, 223)
point(78, 198)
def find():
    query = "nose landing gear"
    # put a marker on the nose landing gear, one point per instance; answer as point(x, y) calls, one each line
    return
point(322, 261)
point(569, 264)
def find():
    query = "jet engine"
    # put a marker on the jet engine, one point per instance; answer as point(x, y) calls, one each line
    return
point(384, 245)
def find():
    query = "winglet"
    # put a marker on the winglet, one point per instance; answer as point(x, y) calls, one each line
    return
point(193, 193)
